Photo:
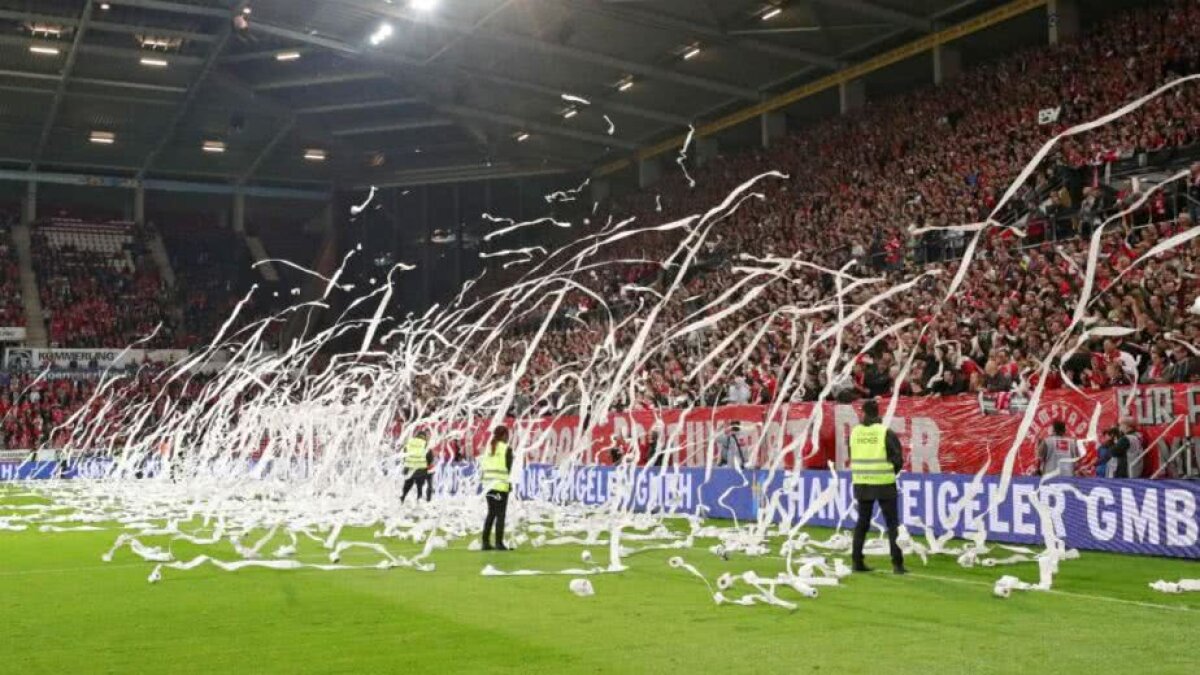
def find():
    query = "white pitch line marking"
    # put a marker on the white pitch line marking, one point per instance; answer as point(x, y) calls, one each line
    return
point(1085, 596)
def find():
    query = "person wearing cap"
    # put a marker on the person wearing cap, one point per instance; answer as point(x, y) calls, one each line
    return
point(875, 458)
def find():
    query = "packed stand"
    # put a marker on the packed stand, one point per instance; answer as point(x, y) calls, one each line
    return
point(31, 407)
point(209, 264)
point(861, 186)
point(34, 406)
point(99, 288)
point(12, 308)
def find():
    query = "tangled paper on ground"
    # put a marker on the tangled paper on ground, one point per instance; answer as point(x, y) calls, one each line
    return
point(279, 449)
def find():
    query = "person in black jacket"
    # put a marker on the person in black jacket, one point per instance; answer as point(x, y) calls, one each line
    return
point(951, 384)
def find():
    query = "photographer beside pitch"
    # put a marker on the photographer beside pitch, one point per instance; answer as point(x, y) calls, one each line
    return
point(875, 459)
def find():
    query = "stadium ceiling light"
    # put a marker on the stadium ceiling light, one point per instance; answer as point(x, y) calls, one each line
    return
point(45, 51)
point(569, 113)
point(105, 6)
point(154, 63)
point(522, 136)
point(625, 84)
point(314, 155)
point(771, 13)
point(381, 34)
point(215, 147)
point(691, 52)
point(103, 137)
point(45, 30)
point(423, 5)
point(158, 43)
point(287, 56)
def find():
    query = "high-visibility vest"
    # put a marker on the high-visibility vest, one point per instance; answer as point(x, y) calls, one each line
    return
point(869, 464)
point(414, 453)
point(494, 465)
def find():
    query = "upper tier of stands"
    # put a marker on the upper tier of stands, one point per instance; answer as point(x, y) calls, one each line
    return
point(860, 184)
point(857, 186)
point(98, 286)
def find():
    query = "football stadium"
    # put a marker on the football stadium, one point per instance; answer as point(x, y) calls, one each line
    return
point(605, 336)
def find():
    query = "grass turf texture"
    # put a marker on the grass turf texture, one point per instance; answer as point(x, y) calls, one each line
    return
point(66, 611)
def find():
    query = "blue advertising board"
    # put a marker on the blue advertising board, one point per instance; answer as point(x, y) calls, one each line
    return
point(1124, 516)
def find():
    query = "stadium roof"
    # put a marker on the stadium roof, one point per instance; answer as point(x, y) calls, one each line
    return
point(405, 91)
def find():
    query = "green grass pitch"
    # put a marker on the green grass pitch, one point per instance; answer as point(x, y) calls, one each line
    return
point(65, 611)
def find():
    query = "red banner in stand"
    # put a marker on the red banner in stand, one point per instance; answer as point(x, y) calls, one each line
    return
point(961, 434)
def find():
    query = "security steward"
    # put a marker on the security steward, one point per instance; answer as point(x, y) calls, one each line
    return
point(875, 459)
point(418, 459)
point(495, 464)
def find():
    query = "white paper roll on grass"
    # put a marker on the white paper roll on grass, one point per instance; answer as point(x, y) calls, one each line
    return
point(582, 588)
point(804, 589)
point(1182, 586)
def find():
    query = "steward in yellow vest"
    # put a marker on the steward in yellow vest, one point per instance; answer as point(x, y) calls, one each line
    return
point(495, 465)
point(875, 459)
point(418, 459)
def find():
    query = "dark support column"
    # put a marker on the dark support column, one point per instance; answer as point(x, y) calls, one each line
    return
point(426, 250)
point(394, 242)
point(239, 212)
point(774, 127)
point(601, 190)
point(649, 171)
point(1062, 17)
point(947, 64)
point(458, 239)
point(139, 204)
point(30, 205)
point(852, 96)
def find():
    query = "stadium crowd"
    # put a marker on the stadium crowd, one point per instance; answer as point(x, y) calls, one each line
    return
point(30, 408)
point(35, 405)
point(100, 299)
point(208, 264)
point(859, 188)
point(860, 185)
point(12, 309)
